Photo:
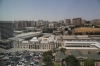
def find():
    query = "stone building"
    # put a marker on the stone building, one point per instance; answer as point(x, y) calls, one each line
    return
point(42, 43)
point(81, 57)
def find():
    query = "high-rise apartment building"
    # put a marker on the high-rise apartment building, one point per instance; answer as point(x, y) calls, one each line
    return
point(6, 29)
point(61, 22)
point(39, 23)
point(96, 21)
point(67, 21)
point(33, 23)
point(77, 21)
point(83, 22)
point(15, 24)
point(45, 23)
point(74, 21)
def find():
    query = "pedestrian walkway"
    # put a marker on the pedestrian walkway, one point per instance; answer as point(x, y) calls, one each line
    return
point(13, 50)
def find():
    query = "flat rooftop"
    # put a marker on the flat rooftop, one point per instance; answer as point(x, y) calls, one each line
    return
point(92, 43)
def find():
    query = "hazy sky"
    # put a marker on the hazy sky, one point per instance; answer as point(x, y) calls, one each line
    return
point(51, 10)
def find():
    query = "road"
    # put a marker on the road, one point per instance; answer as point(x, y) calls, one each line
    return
point(21, 57)
point(29, 61)
point(40, 62)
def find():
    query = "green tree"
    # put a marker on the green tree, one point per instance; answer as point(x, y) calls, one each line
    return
point(99, 53)
point(66, 29)
point(63, 50)
point(69, 32)
point(89, 62)
point(47, 53)
point(48, 60)
point(71, 61)
point(57, 64)
point(48, 30)
point(89, 52)
point(91, 33)
point(54, 50)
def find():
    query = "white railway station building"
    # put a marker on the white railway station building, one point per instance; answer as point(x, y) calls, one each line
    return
point(45, 42)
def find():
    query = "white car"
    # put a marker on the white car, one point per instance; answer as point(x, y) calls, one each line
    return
point(23, 59)
point(32, 63)
point(9, 65)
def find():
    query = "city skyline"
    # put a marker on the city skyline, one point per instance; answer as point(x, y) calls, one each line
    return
point(51, 10)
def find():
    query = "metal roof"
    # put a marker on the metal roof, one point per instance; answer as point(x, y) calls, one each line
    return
point(25, 35)
point(17, 39)
point(60, 55)
point(93, 56)
point(28, 34)
point(18, 31)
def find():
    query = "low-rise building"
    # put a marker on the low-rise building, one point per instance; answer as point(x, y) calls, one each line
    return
point(46, 42)
point(81, 45)
point(82, 57)
point(59, 56)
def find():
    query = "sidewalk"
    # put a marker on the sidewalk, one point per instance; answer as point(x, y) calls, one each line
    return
point(13, 50)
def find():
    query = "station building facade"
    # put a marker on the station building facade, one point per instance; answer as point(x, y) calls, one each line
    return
point(42, 43)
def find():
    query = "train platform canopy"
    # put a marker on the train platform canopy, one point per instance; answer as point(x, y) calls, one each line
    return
point(25, 35)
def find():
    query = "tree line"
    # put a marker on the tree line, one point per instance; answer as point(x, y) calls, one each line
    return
point(70, 60)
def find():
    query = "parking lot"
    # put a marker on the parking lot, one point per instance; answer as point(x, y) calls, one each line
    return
point(21, 58)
